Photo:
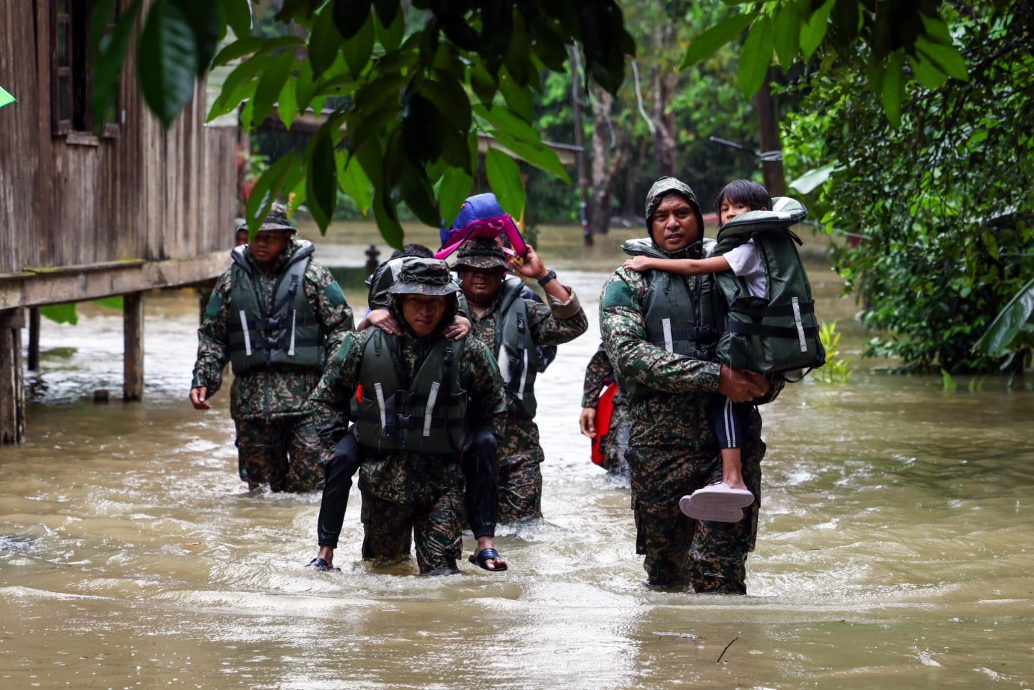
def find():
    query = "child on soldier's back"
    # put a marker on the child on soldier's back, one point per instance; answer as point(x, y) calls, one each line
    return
point(724, 501)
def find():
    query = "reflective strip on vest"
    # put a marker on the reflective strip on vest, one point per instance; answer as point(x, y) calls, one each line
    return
point(247, 336)
point(524, 377)
point(666, 326)
point(380, 405)
point(294, 320)
point(800, 326)
point(432, 397)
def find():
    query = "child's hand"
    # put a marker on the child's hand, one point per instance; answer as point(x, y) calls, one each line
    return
point(458, 329)
point(638, 263)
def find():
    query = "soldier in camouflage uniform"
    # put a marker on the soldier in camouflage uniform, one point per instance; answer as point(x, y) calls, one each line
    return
point(420, 400)
point(659, 333)
point(275, 315)
point(598, 375)
point(512, 327)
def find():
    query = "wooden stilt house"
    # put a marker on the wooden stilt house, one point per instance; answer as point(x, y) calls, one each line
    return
point(88, 210)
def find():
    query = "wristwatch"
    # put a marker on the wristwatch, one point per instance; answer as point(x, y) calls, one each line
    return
point(550, 275)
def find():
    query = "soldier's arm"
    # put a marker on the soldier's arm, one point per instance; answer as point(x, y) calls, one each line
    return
point(487, 404)
point(633, 356)
point(557, 322)
point(330, 401)
point(332, 309)
point(596, 375)
point(213, 340)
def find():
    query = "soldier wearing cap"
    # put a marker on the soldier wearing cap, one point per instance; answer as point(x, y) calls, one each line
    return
point(276, 316)
point(513, 327)
point(659, 333)
point(419, 400)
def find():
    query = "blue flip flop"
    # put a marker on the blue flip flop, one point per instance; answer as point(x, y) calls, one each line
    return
point(482, 558)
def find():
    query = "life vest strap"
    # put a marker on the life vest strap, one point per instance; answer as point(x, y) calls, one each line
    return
point(781, 310)
point(789, 332)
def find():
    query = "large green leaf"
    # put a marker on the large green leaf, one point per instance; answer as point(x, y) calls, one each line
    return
point(505, 178)
point(5, 98)
point(266, 190)
point(108, 51)
point(358, 47)
point(167, 61)
point(946, 58)
point(893, 88)
point(350, 15)
point(252, 44)
point(756, 56)
point(926, 73)
point(1012, 322)
point(238, 85)
point(787, 31)
point(814, 178)
point(321, 183)
point(453, 189)
point(287, 103)
point(539, 155)
point(324, 43)
point(238, 16)
point(354, 182)
point(270, 84)
point(707, 43)
point(206, 21)
point(813, 30)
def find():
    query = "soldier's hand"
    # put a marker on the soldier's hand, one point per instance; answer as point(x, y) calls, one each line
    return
point(198, 398)
point(587, 422)
point(458, 329)
point(739, 385)
point(532, 266)
point(382, 319)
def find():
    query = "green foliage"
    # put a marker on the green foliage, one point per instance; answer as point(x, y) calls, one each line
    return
point(408, 85)
point(1012, 331)
point(939, 207)
point(888, 32)
point(67, 313)
point(836, 369)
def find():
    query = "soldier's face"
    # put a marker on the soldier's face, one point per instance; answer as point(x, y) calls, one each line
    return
point(674, 224)
point(481, 285)
point(423, 313)
point(268, 246)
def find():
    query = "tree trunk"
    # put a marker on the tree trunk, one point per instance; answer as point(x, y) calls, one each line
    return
point(664, 136)
point(607, 160)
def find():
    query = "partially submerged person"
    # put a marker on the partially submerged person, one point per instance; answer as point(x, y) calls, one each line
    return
point(276, 316)
point(513, 327)
point(659, 332)
point(766, 331)
point(478, 461)
point(599, 375)
point(728, 419)
point(421, 399)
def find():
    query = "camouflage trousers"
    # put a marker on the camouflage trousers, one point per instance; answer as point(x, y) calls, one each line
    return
point(680, 551)
point(284, 453)
point(520, 474)
point(617, 441)
point(435, 526)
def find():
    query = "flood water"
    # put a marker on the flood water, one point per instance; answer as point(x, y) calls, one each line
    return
point(895, 548)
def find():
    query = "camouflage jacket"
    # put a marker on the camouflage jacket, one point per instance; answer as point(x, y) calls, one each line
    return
point(405, 477)
point(598, 375)
point(676, 414)
point(552, 324)
point(278, 392)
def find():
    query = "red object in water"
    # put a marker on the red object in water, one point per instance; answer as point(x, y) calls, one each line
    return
point(604, 410)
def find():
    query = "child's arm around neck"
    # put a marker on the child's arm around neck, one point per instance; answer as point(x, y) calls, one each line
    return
point(685, 267)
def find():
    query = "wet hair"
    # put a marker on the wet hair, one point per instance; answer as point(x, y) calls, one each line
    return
point(754, 195)
point(417, 251)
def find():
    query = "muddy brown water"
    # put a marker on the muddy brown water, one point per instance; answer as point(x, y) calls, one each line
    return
point(895, 543)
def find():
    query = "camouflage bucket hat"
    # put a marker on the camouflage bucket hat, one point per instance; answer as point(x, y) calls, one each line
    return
point(481, 253)
point(670, 185)
point(424, 277)
point(277, 220)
